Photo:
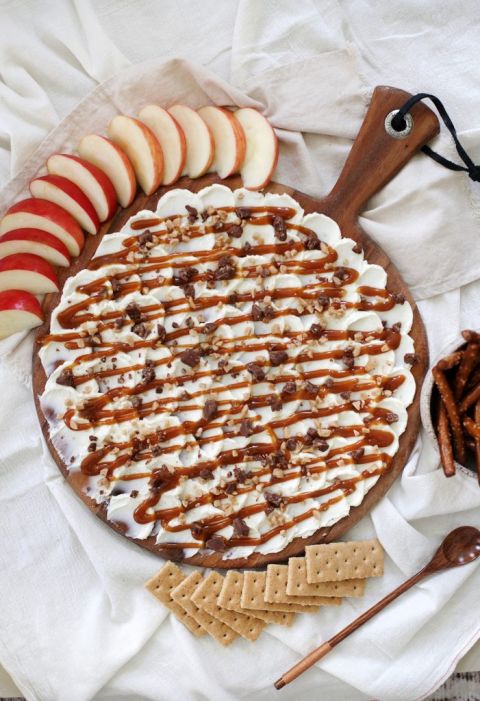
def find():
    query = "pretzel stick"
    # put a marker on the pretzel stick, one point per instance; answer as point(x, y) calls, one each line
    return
point(477, 441)
point(472, 428)
point(468, 362)
point(470, 398)
point(450, 361)
point(444, 442)
point(452, 411)
point(469, 336)
point(474, 378)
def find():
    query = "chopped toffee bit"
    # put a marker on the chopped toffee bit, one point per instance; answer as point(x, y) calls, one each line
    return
point(216, 543)
point(277, 357)
point(240, 528)
point(210, 409)
point(190, 357)
point(256, 370)
point(66, 378)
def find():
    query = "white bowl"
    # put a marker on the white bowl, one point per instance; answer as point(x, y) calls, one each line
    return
point(425, 403)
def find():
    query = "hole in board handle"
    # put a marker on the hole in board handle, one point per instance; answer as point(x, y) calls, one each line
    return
point(394, 131)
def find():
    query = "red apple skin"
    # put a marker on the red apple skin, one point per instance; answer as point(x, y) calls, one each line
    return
point(30, 262)
point(28, 236)
point(130, 173)
point(21, 300)
point(102, 179)
point(19, 311)
point(53, 213)
point(72, 191)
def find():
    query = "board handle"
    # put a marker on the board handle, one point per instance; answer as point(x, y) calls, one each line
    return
point(376, 156)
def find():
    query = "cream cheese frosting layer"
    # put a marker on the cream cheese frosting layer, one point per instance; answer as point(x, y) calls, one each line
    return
point(228, 373)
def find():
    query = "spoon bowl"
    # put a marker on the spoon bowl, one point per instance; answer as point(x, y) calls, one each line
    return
point(462, 545)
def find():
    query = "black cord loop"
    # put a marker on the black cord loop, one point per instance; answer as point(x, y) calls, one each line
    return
point(398, 123)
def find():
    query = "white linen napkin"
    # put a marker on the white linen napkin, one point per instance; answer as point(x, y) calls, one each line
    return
point(76, 623)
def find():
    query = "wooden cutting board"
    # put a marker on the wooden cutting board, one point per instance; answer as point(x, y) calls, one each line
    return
point(374, 159)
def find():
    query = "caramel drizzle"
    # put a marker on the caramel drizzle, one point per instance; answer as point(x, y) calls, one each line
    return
point(109, 458)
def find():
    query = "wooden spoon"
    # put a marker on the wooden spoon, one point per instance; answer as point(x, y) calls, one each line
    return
point(460, 547)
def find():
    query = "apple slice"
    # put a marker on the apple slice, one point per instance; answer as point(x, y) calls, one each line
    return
point(199, 140)
point(106, 155)
point(170, 137)
point(142, 148)
point(35, 241)
point(47, 216)
point(61, 191)
point(230, 144)
point(262, 148)
point(91, 180)
point(25, 271)
point(19, 311)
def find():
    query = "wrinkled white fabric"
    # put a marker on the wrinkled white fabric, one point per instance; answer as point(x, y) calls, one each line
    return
point(76, 623)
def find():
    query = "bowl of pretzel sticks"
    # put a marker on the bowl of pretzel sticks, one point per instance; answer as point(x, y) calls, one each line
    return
point(450, 405)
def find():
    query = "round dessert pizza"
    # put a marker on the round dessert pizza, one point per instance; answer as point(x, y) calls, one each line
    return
point(227, 375)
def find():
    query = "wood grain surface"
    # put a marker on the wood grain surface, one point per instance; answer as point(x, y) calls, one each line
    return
point(373, 160)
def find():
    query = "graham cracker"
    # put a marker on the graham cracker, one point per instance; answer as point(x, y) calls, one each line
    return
point(161, 586)
point(276, 590)
point(253, 596)
point(205, 597)
point(298, 586)
point(333, 562)
point(231, 595)
point(182, 593)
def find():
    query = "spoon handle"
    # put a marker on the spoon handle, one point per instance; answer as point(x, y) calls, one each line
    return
point(325, 648)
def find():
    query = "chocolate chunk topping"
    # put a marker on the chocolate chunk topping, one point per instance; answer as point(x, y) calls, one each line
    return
point(240, 528)
point(323, 300)
point(257, 312)
point(197, 531)
point(162, 332)
point(206, 474)
point(116, 287)
point(357, 248)
point(246, 427)
point(190, 357)
point(291, 444)
point(243, 212)
point(92, 447)
point(148, 372)
point(174, 554)
point(398, 298)
point(345, 395)
point(233, 298)
point(189, 290)
point(342, 273)
point(276, 403)
point(289, 388)
point(277, 357)
point(192, 213)
point(268, 312)
point(66, 378)
point(347, 358)
point(136, 402)
point(391, 418)
point(140, 330)
point(247, 247)
point(397, 327)
point(134, 493)
point(317, 330)
point(312, 241)
point(235, 231)
point(210, 409)
point(209, 328)
point(358, 453)
point(321, 444)
point(134, 312)
point(226, 269)
point(184, 276)
point(273, 499)
point(146, 237)
point(217, 543)
point(256, 370)
point(279, 225)
point(311, 388)
point(411, 358)
point(231, 488)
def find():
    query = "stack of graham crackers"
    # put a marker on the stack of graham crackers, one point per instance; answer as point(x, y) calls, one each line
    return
point(243, 603)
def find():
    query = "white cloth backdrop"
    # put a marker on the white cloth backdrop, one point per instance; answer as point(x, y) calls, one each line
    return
point(75, 622)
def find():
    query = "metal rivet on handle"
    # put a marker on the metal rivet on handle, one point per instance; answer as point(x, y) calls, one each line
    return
point(393, 132)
